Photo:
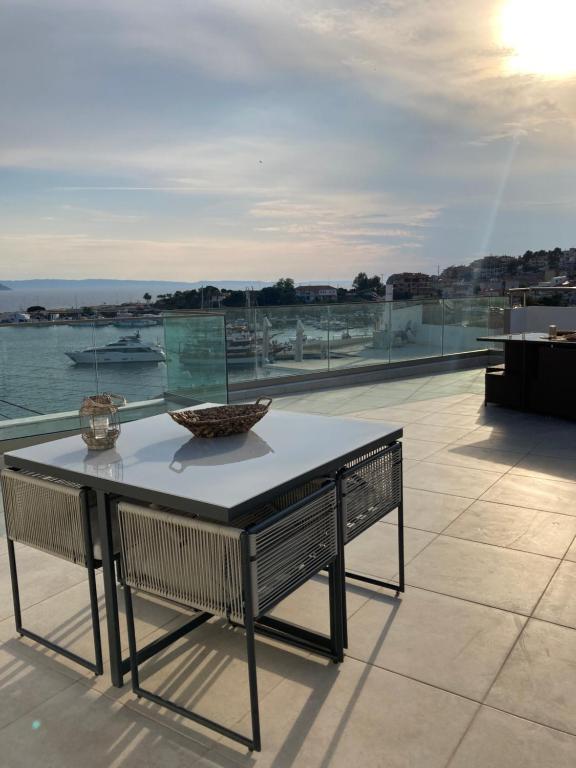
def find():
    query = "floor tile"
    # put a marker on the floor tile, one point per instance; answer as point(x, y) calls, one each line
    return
point(477, 458)
point(435, 434)
point(309, 606)
point(79, 727)
point(482, 573)
point(534, 493)
point(444, 419)
point(65, 619)
point(548, 467)
point(571, 554)
point(530, 530)
point(490, 440)
point(358, 715)
point(554, 448)
point(464, 409)
point(538, 681)
point(454, 644)
point(39, 576)
point(500, 740)
point(443, 478)
point(207, 672)
point(430, 511)
point(26, 679)
point(418, 449)
point(375, 552)
point(558, 603)
point(560, 438)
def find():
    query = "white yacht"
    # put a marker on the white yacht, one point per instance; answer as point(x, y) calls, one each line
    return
point(128, 349)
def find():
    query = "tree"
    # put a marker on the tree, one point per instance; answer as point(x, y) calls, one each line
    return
point(282, 292)
point(285, 284)
point(360, 282)
point(147, 298)
point(364, 283)
point(235, 299)
point(179, 300)
point(36, 308)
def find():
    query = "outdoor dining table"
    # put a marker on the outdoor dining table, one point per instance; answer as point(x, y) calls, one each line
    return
point(156, 461)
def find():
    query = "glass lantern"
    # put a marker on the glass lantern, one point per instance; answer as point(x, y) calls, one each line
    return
point(100, 421)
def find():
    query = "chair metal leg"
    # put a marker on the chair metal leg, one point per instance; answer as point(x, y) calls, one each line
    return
point(97, 666)
point(133, 650)
point(95, 621)
point(15, 588)
point(340, 561)
point(89, 546)
point(251, 645)
point(112, 620)
point(401, 579)
point(143, 693)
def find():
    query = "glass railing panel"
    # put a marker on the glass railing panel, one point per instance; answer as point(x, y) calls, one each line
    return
point(466, 320)
point(243, 344)
point(39, 380)
point(134, 367)
point(195, 358)
point(47, 369)
point(416, 329)
point(359, 335)
point(290, 341)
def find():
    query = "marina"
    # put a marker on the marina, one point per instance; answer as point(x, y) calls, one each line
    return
point(261, 343)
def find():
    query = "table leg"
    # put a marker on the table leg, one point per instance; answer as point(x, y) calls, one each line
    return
point(111, 598)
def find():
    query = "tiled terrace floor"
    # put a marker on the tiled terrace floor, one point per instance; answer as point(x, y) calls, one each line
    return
point(474, 667)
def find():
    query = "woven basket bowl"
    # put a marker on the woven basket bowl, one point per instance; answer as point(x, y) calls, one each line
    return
point(222, 420)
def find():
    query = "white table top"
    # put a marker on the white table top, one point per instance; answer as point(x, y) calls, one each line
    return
point(156, 459)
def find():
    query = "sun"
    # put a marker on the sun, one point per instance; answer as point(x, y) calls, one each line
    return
point(539, 36)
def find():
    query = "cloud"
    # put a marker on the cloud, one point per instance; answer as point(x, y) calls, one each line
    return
point(337, 135)
point(78, 255)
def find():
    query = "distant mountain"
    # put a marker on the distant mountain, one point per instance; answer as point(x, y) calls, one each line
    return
point(155, 286)
point(4, 287)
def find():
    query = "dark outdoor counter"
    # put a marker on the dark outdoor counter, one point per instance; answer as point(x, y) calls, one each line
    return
point(538, 375)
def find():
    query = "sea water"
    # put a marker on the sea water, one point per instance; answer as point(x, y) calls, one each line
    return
point(35, 373)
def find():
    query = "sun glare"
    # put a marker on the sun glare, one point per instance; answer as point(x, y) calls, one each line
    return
point(539, 36)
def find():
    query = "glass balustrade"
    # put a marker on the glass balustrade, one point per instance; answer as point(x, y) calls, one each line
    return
point(47, 369)
point(195, 346)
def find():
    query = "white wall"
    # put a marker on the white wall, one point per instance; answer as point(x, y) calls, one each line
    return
point(535, 319)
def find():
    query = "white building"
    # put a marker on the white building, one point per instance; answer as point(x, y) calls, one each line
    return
point(312, 293)
point(14, 317)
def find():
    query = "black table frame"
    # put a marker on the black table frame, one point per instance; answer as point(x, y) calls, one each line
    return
point(106, 490)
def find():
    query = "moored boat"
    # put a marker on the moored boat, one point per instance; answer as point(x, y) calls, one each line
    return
point(127, 349)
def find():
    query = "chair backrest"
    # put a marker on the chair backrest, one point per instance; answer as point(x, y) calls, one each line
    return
point(372, 487)
point(199, 563)
point(46, 514)
point(193, 562)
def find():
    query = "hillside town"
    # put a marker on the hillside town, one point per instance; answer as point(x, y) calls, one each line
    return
point(488, 276)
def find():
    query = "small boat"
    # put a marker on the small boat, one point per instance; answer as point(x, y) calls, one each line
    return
point(135, 322)
point(243, 347)
point(128, 349)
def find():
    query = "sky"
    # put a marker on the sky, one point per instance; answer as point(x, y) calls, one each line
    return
point(253, 139)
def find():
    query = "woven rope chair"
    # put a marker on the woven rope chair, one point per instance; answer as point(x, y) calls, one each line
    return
point(371, 488)
point(52, 516)
point(238, 572)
